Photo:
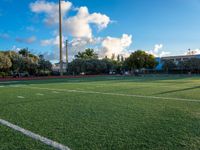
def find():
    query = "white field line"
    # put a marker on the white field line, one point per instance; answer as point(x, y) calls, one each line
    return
point(79, 89)
point(17, 85)
point(39, 94)
point(21, 97)
point(118, 94)
point(55, 92)
point(135, 84)
point(34, 135)
point(107, 85)
point(99, 86)
point(2, 86)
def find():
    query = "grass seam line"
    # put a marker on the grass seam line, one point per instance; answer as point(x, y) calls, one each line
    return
point(118, 94)
point(34, 136)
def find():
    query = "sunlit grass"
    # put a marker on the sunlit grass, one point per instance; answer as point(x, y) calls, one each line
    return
point(97, 121)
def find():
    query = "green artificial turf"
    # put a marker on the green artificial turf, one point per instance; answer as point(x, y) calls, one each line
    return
point(85, 120)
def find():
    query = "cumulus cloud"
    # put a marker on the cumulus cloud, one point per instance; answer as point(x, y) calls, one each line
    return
point(75, 45)
point(103, 46)
point(158, 52)
point(50, 9)
point(79, 27)
point(28, 40)
point(79, 45)
point(111, 45)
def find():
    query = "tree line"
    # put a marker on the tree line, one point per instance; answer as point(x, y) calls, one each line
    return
point(23, 63)
point(88, 62)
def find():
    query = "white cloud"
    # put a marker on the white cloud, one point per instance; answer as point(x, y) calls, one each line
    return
point(29, 40)
point(79, 45)
point(79, 26)
point(50, 9)
point(116, 46)
point(157, 51)
point(157, 47)
point(99, 19)
point(103, 46)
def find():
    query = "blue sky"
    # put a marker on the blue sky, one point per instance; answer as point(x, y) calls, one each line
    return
point(172, 24)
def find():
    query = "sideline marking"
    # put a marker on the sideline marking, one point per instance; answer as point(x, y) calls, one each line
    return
point(39, 94)
point(116, 85)
point(17, 85)
point(55, 92)
point(21, 97)
point(34, 136)
point(2, 86)
point(79, 89)
point(118, 94)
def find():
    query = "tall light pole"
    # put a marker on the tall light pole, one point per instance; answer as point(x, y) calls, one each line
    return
point(67, 56)
point(60, 34)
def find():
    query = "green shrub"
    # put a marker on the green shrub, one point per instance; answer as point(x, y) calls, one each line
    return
point(3, 74)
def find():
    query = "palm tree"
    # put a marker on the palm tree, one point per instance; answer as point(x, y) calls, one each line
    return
point(87, 54)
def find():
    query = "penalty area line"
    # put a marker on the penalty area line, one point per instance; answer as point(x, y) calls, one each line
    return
point(34, 136)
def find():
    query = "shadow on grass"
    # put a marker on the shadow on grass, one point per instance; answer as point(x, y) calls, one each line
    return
point(179, 90)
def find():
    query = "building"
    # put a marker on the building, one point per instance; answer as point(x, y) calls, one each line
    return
point(176, 59)
point(56, 67)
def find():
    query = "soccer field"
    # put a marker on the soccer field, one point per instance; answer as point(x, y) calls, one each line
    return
point(103, 113)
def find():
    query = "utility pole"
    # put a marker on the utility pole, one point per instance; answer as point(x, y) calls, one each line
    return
point(67, 56)
point(60, 34)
